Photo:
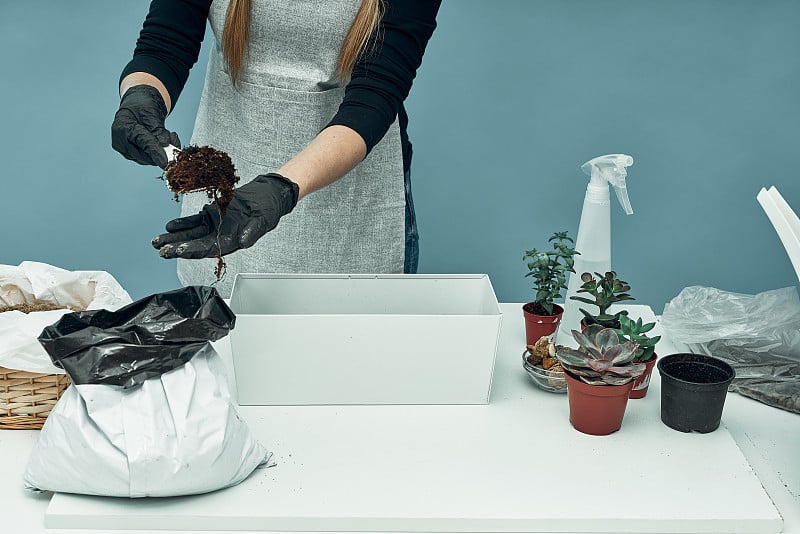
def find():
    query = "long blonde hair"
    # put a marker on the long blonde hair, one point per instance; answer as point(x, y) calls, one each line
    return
point(237, 29)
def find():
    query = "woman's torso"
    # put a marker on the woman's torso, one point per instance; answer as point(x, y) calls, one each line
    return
point(288, 92)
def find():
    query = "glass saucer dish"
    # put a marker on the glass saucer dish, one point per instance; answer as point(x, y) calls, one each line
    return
point(547, 380)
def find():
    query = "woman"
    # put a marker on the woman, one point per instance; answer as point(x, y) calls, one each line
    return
point(306, 97)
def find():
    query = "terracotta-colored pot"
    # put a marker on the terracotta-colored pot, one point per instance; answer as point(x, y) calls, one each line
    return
point(596, 410)
point(641, 383)
point(537, 326)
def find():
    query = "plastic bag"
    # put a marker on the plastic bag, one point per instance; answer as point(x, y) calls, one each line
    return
point(39, 283)
point(140, 341)
point(759, 335)
point(150, 413)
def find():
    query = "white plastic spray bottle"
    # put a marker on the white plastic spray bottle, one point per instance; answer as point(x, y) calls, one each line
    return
point(594, 232)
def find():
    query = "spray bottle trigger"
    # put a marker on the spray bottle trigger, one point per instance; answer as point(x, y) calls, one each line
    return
point(622, 196)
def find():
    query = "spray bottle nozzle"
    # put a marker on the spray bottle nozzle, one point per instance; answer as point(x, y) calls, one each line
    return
point(611, 169)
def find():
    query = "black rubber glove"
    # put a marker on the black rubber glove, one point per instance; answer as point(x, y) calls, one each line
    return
point(138, 131)
point(255, 209)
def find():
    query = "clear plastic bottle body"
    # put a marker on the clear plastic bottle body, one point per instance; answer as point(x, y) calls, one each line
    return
point(594, 233)
point(594, 244)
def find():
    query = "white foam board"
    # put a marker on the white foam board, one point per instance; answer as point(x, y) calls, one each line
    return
point(515, 465)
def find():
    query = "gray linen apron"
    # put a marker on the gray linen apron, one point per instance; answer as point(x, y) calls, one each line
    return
point(288, 93)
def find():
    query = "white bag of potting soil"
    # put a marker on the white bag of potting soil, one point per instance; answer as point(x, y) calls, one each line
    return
point(175, 434)
point(39, 283)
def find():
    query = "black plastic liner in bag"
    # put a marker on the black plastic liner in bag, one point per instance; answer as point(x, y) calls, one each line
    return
point(143, 340)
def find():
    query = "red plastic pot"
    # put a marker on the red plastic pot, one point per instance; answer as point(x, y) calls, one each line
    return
point(642, 382)
point(537, 326)
point(596, 410)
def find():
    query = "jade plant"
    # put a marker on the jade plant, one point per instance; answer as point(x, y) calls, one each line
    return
point(549, 272)
point(605, 289)
point(630, 330)
point(601, 360)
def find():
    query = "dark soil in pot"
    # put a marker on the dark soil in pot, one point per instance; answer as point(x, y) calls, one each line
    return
point(536, 309)
point(696, 372)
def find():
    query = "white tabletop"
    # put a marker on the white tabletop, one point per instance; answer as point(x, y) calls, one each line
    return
point(520, 416)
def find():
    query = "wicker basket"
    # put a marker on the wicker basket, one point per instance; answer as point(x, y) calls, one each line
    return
point(27, 398)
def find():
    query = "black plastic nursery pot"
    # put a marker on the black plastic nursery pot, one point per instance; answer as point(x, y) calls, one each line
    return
point(693, 390)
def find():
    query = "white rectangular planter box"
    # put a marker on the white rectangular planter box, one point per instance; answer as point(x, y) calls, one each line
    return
point(364, 339)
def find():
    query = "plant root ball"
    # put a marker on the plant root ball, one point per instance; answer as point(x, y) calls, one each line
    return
point(203, 168)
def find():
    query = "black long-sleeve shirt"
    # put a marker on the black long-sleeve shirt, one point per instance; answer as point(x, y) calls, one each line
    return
point(170, 40)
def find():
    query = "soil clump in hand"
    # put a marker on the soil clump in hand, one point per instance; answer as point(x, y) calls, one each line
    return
point(203, 168)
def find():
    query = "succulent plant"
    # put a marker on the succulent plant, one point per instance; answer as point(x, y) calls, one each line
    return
point(630, 330)
point(606, 290)
point(549, 270)
point(602, 360)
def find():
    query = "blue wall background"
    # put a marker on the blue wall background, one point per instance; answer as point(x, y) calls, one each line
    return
point(512, 98)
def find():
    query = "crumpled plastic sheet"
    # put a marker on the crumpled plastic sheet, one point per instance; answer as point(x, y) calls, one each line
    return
point(758, 335)
point(142, 340)
point(39, 283)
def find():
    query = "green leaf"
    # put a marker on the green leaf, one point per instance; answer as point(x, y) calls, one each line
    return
point(646, 328)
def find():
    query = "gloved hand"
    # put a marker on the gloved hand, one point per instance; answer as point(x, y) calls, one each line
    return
point(255, 209)
point(138, 131)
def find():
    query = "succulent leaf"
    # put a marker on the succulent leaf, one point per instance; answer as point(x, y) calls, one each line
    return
point(586, 338)
point(601, 366)
point(605, 338)
point(626, 352)
point(587, 372)
point(597, 381)
point(612, 354)
point(645, 328)
point(572, 356)
point(632, 370)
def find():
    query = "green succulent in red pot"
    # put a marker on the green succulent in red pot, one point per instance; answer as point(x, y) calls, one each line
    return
point(630, 330)
point(548, 269)
point(605, 290)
